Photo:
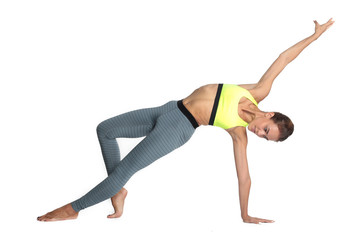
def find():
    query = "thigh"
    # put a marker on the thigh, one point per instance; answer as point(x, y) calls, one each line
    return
point(137, 123)
point(171, 131)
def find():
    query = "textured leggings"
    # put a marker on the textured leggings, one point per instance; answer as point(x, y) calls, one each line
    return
point(166, 128)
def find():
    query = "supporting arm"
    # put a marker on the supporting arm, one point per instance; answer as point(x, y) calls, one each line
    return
point(239, 137)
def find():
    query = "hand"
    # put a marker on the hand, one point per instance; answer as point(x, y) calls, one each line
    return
point(255, 220)
point(320, 29)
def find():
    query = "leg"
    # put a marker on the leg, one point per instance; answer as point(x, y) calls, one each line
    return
point(171, 131)
point(132, 124)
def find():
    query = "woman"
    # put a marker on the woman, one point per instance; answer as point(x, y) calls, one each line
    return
point(231, 107)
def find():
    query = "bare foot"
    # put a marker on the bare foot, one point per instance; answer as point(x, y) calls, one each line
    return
point(64, 213)
point(118, 203)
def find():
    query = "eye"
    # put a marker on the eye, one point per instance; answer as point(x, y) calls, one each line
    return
point(266, 131)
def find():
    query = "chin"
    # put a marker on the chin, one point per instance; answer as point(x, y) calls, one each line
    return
point(250, 127)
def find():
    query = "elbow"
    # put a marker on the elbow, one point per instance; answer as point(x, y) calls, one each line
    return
point(284, 56)
point(245, 180)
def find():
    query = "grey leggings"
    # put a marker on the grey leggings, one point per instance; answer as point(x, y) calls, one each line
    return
point(166, 128)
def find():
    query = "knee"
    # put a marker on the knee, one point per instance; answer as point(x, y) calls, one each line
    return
point(100, 129)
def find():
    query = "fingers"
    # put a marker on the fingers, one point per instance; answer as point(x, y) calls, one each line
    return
point(328, 23)
point(320, 29)
point(330, 20)
point(260, 220)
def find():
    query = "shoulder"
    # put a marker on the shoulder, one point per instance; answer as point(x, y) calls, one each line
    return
point(258, 92)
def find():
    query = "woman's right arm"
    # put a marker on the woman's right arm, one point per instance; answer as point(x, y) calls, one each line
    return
point(239, 138)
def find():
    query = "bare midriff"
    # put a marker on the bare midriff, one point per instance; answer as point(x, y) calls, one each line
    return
point(200, 103)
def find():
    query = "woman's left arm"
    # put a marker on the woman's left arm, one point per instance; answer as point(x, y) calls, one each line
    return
point(291, 53)
point(263, 87)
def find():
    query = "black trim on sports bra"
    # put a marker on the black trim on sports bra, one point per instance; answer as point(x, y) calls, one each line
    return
point(187, 114)
point(216, 103)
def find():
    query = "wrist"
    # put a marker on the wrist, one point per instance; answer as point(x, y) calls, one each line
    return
point(315, 36)
point(244, 216)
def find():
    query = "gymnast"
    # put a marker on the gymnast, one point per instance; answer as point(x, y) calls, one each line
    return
point(167, 127)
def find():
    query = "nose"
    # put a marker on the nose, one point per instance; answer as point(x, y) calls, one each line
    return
point(260, 133)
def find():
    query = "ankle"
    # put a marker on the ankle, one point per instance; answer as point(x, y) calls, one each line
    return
point(70, 210)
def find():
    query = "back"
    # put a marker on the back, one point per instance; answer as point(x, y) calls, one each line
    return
point(225, 111)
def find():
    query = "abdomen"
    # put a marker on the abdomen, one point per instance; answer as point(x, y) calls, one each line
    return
point(200, 103)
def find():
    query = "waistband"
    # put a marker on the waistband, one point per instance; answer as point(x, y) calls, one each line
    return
point(216, 103)
point(187, 114)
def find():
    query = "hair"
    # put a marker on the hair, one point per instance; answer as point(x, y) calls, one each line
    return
point(285, 125)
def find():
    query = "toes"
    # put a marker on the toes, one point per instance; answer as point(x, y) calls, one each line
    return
point(45, 218)
point(41, 219)
point(114, 215)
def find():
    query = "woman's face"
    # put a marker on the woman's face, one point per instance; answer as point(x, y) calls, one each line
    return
point(263, 127)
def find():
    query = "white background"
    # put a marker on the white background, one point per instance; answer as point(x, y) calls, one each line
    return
point(65, 66)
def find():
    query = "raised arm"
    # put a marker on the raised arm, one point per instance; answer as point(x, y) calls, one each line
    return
point(239, 138)
point(263, 87)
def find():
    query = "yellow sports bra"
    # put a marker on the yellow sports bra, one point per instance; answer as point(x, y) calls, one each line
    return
point(225, 110)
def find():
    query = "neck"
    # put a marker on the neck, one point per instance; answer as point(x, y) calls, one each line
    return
point(253, 112)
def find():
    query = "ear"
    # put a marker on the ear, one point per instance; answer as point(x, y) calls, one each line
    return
point(269, 114)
